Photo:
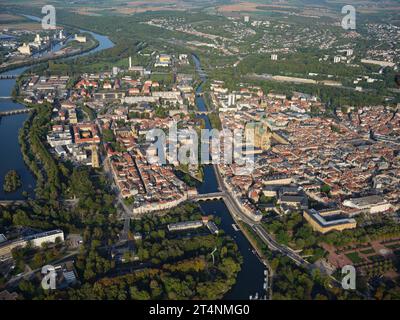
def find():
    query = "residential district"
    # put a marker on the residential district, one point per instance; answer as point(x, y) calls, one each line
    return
point(296, 154)
point(330, 169)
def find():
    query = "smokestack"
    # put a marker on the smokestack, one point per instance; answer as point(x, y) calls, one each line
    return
point(130, 62)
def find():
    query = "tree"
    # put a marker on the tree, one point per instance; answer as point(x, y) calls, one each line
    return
point(12, 181)
point(137, 294)
point(325, 189)
point(26, 287)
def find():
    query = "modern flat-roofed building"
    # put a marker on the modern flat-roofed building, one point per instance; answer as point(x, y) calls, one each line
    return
point(60, 151)
point(80, 39)
point(59, 136)
point(212, 227)
point(48, 236)
point(163, 60)
point(328, 220)
point(370, 204)
point(36, 239)
point(185, 225)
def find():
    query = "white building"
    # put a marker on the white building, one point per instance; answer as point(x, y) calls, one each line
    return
point(25, 49)
point(371, 204)
point(81, 39)
point(59, 136)
point(38, 39)
point(45, 237)
point(115, 71)
point(185, 225)
point(379, 63)
point(231, 99)
point(36, 240)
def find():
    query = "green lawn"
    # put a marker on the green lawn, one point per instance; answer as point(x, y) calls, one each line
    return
point(368, 251)
point(393, 246)
point(354, 257)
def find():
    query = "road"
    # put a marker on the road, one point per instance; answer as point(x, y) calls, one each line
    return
point(273, 245)
point(15, 280)
point(126, 214)
point(238, 213)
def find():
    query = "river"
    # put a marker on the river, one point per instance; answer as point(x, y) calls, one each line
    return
point(250, 279)
point(11, 157)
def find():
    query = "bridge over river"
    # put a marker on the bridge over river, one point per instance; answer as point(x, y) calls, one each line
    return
point(202, 112)
point(6, 203)
point(7, 76)
point(14, 112)
point(208, 196)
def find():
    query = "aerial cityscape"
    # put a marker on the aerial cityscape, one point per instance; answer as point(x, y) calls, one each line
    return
point(200, 150)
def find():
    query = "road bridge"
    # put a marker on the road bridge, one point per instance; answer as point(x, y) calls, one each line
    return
point(202, 112)
point(208, 196)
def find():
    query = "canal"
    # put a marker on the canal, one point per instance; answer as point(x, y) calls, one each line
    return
point(250, 279)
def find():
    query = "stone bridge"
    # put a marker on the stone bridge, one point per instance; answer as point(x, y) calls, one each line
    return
point(208, 196)
point(14, 112)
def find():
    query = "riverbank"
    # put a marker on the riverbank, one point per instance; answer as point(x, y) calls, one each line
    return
point(261, 249)
point(35, 61)
point(9, 126)
point(250, 279)
point(12, 158)
point(34, 153)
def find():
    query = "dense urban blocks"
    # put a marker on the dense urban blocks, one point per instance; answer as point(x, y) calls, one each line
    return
point(316, 115)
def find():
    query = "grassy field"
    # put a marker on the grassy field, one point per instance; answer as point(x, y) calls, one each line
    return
point(354, 257)
point(15, 22)
point(393, 246)
point(367, 251)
